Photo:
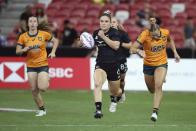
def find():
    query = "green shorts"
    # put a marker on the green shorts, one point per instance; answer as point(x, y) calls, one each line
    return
point(149, 70)
point(38, 69)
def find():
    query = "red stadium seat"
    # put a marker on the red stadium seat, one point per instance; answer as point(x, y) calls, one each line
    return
point(94, 6)
point(78, 13)
point(50, 12)
point(93, 14)
point(59, 21)
point(16, 28)
point(74, 20)
point(110, 7)
point(80, 28)
point(165, 14)
point(122, 7)
point(134, 29)
point(55, 5)
point(129, 22)
point(190, 6)
point(62, 14)
point(12, 39)
point(67, 6)
point(133, 36)
point(86, 21)
point(191, 14)
point(39, 5)
point(81, 6)
point(181, 15)
point(96, 21)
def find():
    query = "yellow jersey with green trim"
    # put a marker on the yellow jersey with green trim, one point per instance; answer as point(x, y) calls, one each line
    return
point(155, 49)
point(36, 55)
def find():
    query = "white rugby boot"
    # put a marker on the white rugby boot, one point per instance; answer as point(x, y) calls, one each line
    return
point(113, 107)
point(41, 113)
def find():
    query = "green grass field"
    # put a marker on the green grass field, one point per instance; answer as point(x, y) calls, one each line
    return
point(69, 110)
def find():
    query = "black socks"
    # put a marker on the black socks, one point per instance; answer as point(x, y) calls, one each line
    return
point(98, 105)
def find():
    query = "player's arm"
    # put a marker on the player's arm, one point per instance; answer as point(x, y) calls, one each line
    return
point(172, 46)
point(134, 49)
point(127, 45)
point(20, 50)
point(113, 44)
point(55, 45)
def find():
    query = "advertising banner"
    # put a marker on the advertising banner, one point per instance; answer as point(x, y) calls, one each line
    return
point(70, 73)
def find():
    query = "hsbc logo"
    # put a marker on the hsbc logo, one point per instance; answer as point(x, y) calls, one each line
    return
point(13, 72)
point(61, 72)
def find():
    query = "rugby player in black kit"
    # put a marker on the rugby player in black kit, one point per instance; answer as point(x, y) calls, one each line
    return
point(107, 41)
point(123, 53)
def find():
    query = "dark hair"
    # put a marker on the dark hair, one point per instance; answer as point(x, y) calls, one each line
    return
point(42, 26)
point(107, 13)
point(42, 11)
point(153, 25)
point(66, 21)
point(189, 18)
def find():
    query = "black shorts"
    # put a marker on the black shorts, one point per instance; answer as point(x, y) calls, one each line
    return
point(123, 67)
point(38, 69)
point(149, 70)
point(112, 70)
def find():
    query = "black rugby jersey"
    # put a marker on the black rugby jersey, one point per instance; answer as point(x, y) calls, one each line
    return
point(123, 53)
point(105, 53)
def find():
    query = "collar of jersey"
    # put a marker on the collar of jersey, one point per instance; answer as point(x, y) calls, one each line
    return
point(32, 35)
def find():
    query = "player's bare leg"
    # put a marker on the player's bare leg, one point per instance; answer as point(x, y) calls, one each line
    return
point(99, 79)
point(32, 76)
point(159, 77)
point(115, 92)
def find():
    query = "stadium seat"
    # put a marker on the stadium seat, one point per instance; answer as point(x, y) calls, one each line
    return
point(93, 14)
point(86, 21)
point(110, 7)
point(50, 12)
point(165, 14)
point(80, 28)
point(94, 6)
point(67, 6)
point(133, 36)
point(181, 15)
point(74, 20)
point(36, 5)
point(62, 14)
point(129, 22)
point(55, 5)
point(16, 28)
point(12, 39)
point(122, 7)
point(78, 13)
point(81, 7)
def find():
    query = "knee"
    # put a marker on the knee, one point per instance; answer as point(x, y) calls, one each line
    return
point(97, 85)
point(43, 88)
point(35, 91)
point(158, 86)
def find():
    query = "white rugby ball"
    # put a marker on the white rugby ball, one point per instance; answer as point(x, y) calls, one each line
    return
point(87, 40)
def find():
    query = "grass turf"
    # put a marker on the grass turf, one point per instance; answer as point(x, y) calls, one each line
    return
point(73, 111)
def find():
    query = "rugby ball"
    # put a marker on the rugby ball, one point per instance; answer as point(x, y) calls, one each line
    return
point(87, 40)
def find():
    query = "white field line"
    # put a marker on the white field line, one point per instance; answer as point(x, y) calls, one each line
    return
point(86, 125)
point(17, 110)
